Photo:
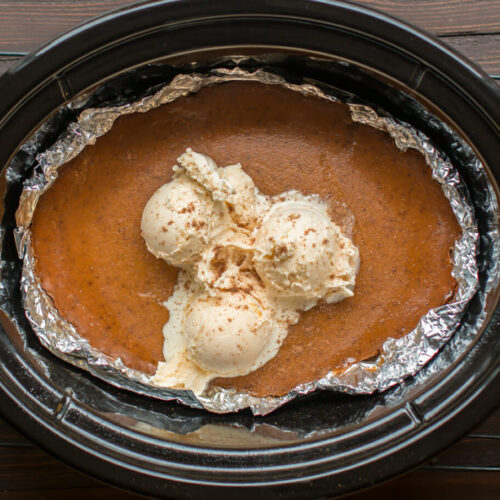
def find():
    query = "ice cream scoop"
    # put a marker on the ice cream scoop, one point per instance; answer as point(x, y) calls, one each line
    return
point(300, 252)
point(202, 169)
point(177, 221)
point(250, 263)
point(226, 333)
point(247, 205)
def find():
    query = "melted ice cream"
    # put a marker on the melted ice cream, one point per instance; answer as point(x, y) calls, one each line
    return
point(250, 263)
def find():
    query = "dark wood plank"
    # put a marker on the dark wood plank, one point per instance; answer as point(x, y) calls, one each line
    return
point(10, 437)
point(94, 493)
point(32, 469)
point(436, 485)
point(444, 17)
point(470, 452)
point(25, 25)
point(490, 426)
point(483, 50)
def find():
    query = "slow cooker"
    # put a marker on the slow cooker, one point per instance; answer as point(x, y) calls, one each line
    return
point(324, 444)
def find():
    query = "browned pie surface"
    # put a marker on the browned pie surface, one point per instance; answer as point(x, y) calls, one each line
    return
point(94, 263)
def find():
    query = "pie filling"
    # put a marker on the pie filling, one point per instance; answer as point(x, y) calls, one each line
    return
point(239, 251)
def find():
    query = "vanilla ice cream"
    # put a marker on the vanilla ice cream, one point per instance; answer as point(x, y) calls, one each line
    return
point(177, 221)
point(226, 333)
point(247, 205)
point(249, 265)
point(204, 170)
point(300, 252)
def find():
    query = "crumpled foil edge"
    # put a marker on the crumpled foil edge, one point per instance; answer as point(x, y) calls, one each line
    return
point(398, 358)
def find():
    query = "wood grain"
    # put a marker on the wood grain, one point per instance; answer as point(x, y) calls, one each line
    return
point(470, 452)
point(25, 25)
point(94, 493)
point(483, 50)
point(444, 17)
point(436, 485)
point(490, 427)
point(23, 468)
point(9, 437)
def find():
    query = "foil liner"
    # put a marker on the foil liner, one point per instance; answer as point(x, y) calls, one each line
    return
point(398, 358)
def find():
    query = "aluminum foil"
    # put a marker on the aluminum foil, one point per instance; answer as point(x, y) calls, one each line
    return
point(398, 358)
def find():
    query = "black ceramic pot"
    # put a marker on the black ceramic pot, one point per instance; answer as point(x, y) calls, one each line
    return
point(327, 443)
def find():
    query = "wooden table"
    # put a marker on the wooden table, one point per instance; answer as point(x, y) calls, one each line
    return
point(470, 469)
